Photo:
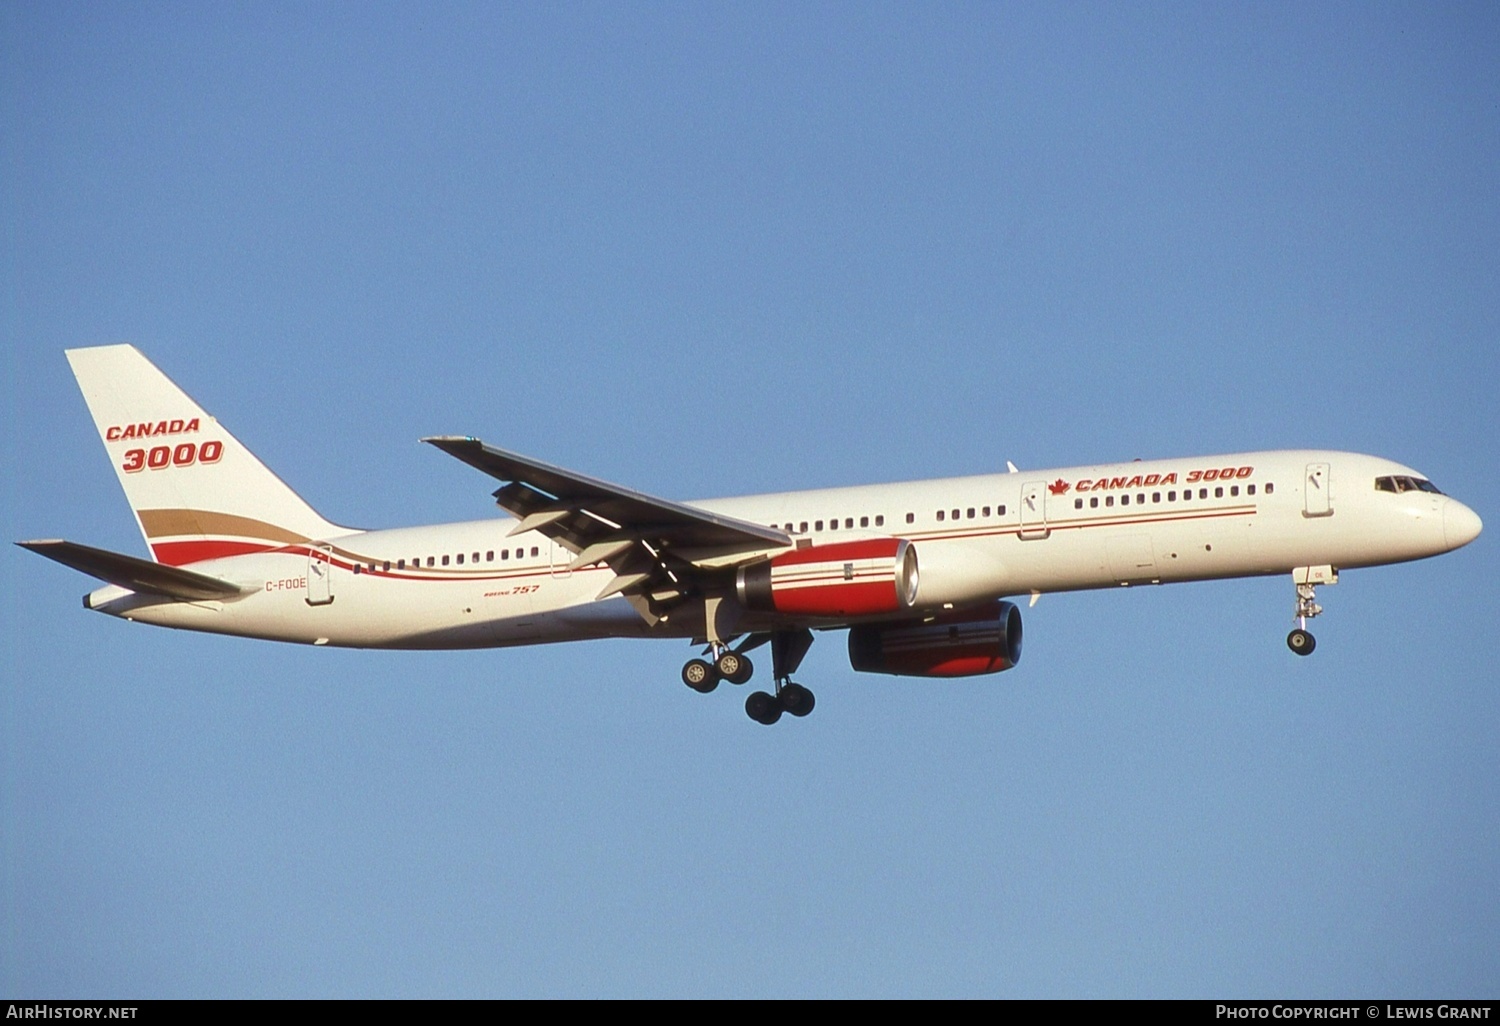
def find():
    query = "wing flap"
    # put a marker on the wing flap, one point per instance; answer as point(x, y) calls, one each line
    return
point(140, 575)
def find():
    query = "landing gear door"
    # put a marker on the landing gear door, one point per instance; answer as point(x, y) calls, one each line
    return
point(1034, 510)
point(320, 575)
point(1315, 497)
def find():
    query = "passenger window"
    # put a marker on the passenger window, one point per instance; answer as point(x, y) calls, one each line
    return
point(849, 523)
point(940, 516)
point(431, 561)
point(460, 559)
point(445, 560)
point(489, 557)
point(1249, 489)
point(1124, 500)
point(864, 521)
point(1078, 504)
point(386, 566)
point(1218, 493)
point(356, 568)
point(505, 554)
point(1001, 511)
point(1093, 502)
point(955, 514)
point(1140, 498)
point(803, 528)
point(1109, 500)
point(880, 520)
point(971, 513)
point(818, 525)
point(535, 551)
point(1202, 493)
point(1234, 489)
point(911, 518)
point(1156, 496)
point(1171, 496)
point(986, 511)
point(833, 525)
point(1270, 488)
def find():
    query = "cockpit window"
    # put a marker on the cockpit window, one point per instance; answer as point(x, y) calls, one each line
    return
point(1401, 483)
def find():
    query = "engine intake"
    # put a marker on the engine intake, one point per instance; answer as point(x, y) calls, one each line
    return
point(963, 643)
point(872, 577)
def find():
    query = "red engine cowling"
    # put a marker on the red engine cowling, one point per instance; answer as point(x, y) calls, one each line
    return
point(873, 577)
point(958, 644)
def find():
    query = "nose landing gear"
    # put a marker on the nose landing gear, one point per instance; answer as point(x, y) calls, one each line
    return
point(1307, 578)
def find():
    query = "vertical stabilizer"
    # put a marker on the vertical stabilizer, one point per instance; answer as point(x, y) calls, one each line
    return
point(196, 492)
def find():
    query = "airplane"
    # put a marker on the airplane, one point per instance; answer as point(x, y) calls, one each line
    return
point(918, 573)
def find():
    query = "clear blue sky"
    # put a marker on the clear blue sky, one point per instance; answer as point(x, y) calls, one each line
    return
point(709, 249)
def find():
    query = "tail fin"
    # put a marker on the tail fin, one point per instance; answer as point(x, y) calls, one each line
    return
point(196, 492)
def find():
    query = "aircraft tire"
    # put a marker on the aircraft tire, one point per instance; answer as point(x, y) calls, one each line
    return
point(734, 667)
point(700, 676)
point(763, 707)
point(1301, 642)
point(797, 700)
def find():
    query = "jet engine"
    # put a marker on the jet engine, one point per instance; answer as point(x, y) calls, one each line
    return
point(871, 577)
point(962, 643)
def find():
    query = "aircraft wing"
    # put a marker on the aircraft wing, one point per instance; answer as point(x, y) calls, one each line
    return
point(135, 574)
point(636, 534)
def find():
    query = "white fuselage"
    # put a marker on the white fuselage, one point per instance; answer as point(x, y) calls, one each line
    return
point(473, 585)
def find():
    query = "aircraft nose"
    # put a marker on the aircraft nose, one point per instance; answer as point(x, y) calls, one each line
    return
point(1461, 524)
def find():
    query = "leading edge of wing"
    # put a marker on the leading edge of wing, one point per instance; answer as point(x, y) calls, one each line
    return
point(139, 575)
point(677, 523)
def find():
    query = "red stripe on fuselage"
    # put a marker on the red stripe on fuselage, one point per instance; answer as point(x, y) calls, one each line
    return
point(181, 553)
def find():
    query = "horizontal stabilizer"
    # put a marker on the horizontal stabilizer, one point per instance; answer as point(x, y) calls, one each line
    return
point(135, 574)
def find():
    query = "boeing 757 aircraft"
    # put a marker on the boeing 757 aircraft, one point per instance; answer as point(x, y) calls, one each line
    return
point(918, 573)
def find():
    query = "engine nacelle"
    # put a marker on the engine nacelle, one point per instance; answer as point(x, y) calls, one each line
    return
point(872, 577)
point(963, 643)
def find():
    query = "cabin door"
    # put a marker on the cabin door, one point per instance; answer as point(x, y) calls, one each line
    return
point(1034, 510)
point(1315, 498)
point(320, 575)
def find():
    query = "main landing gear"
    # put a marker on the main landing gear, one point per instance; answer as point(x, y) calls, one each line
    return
point(787, 650)
point(1307, 578)
point(703, 676)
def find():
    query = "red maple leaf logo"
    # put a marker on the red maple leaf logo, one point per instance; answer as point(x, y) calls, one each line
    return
point(1058, 487)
